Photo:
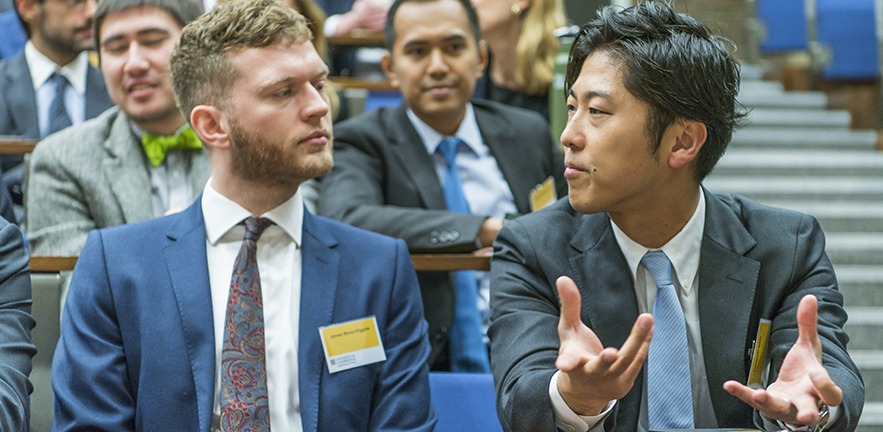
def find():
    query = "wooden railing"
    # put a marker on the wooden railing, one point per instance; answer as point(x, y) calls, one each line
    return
point(11, 145)
point(422, 262)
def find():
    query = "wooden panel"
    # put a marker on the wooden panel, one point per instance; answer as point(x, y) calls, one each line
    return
point(16, 145)
point(347, 82)
point(422, 262)
point(359, 39)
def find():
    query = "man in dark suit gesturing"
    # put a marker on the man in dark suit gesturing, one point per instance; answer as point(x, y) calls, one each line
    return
point(670, 299)
point(320, 327)
point(389, 174)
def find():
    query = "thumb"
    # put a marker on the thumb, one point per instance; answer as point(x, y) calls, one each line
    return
point(570, 299)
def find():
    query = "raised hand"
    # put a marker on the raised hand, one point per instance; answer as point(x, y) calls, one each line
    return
point(803, 383)
point(592, 375)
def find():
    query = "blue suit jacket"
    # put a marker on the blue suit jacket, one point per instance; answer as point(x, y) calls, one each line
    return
point(137, 344)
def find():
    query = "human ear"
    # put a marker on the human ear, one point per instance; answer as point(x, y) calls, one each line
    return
point(209, 124)
point(689, 139)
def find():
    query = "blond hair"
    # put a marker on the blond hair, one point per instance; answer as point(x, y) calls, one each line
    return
point(537, 45)
point(200, 70)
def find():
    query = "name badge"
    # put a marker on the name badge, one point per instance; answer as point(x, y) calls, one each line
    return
point(543, 194)
point(352, 344)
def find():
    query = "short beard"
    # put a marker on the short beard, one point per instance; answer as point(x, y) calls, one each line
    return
point(257, 160)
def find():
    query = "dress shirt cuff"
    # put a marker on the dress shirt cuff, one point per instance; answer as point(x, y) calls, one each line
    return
point(769, 424)
point(565, 418)
point(331, 24)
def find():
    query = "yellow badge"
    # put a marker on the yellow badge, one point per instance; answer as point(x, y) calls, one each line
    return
point(543, 194)
point(758, 356)
point(352, 344)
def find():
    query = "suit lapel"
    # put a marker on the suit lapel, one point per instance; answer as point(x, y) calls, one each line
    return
point(727, 283)
point(22, 100)
point(97, 100)
point(609, 306)
point(317, 296)
point(185, 258)
point(414, 159)
point(125, 172)
point(496, 134)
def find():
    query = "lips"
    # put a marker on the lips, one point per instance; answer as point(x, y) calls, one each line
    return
point(319, 137)
point(140, 89)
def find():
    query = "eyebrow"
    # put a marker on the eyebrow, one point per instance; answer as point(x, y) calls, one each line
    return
point(143, 32)
point(446, 39)
point(269, 85)
point(591, 94)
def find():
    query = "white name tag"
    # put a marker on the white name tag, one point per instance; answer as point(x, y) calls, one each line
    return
point(352, 344)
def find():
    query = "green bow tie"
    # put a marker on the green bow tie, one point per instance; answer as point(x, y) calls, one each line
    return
point(156, 147)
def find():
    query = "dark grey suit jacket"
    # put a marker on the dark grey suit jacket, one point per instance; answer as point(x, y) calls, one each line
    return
point(18, 111)
point(16, 348)
point(385, 181)
point(755, 262)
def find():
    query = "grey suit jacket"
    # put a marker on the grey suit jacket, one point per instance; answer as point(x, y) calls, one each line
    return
point(18, 110)
point(89, 176)
point(16, 348)
point(385, 181)
point(755, 262)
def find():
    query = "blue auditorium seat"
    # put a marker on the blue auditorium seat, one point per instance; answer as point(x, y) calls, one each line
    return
point(464, 402)
point(848, 28)
point(785, 24)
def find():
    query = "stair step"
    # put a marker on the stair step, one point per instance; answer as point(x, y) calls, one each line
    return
point(862, 248)
point(750, 72)
point(872, 418)
point(803, 138)
point(861, 285)
point(761, 86)
point(791, 100)
point(798, 118)
point(782, 162)
point(864, 327)
point(870, 364)
point(799, 187)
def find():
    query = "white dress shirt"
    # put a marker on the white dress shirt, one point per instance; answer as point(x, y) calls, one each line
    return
point(484, 186)
point(41, 69)
point(279, 262)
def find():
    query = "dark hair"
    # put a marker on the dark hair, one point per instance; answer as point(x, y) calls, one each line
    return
point(183, 11)
point(389, 31)
point(673, 62)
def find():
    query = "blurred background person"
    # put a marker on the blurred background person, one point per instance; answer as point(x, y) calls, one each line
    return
point(522, 45)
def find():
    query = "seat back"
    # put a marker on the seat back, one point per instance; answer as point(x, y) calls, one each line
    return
point(464, 402)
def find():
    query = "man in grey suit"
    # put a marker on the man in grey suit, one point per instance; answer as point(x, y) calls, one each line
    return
point(53, 66)
point(389, 178)
point(16, 322)
point(135, 161)
point(731, 284)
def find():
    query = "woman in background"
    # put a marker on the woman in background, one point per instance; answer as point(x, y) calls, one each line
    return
point(521, 39)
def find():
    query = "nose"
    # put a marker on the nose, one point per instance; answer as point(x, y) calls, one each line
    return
point(572, 136)
point(316, 103)
point(136, 63)
point(437, 62)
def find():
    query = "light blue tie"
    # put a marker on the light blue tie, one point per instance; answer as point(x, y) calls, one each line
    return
point(468, 352)
point(669, 392)
point(58, 117)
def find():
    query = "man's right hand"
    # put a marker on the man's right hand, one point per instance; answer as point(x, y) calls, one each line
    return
point(591, 375)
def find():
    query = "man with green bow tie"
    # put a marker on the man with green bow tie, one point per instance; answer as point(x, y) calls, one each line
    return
point(134, 162)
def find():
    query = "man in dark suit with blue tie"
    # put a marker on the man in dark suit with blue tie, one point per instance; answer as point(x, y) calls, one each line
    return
point(320, 327)
point(51, 84)
point(644, 301)
point(390, 170)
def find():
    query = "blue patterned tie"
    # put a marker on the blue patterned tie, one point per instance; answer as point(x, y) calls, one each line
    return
point(468, 352)
point(669, 392)
point(244, 399)
point(58, 117)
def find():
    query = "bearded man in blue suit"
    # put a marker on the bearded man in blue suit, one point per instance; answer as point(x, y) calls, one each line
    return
point(153, 317)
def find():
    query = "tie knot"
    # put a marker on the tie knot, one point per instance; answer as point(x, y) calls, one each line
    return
point(157, 146)
point(59, 80)
point(254, 227)
point(658, 264)
point(448, 148)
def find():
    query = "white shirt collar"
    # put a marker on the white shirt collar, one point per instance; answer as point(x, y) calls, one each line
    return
point(468, 131)
point(681, 249)
point(222, 214)
point(42, 68)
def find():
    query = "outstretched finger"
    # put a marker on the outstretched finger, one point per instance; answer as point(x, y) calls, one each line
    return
point(570, 299)
point(807, 321)
point(828, 391)
point(634, 350)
